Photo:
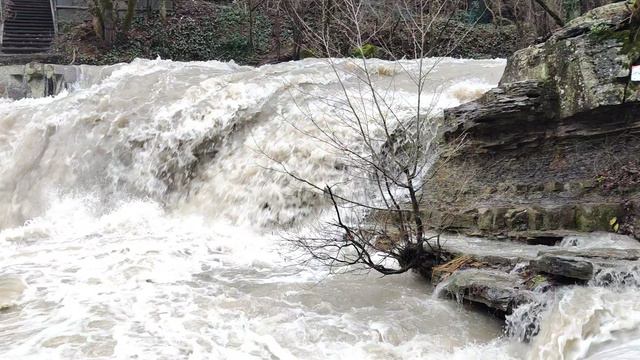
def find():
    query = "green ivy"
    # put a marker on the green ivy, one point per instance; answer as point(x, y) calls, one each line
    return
point(367, 51)
point(223, 37)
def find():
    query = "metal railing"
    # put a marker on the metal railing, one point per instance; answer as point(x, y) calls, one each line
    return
point(54, 16)
point(1, 21)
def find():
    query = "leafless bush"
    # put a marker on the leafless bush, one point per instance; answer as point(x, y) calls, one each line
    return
point(389, 155)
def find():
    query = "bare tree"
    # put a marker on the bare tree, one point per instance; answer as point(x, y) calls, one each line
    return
point(551, 12)
point(106, 21)
point(251, 6)
point(635, 12)
point(538, 18)
point(385, 153)
point(128, 19)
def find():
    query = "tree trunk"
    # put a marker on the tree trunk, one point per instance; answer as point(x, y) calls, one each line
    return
point(297, 28)
point(635, 12)
point(108, 22)
point(551, 13)
point(276, 31)
point(251, 20)
point(131, 11)
point(163, 10)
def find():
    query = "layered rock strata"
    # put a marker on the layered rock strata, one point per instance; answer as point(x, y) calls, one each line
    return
point(555, 149)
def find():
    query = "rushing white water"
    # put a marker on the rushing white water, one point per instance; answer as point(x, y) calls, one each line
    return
point(140, 222)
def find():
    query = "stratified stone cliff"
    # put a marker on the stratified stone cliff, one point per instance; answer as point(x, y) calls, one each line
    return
point(556, 147)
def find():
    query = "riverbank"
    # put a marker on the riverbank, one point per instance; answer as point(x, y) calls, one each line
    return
point(202, 30)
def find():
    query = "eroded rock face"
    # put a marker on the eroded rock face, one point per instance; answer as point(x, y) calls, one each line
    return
point(518, 273)
point(495, 289)
point(566, 112)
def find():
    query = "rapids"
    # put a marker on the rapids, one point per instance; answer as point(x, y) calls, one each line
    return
point(140, 221)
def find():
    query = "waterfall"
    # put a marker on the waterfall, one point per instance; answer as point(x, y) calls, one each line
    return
point(141, 220)
point(194, 132)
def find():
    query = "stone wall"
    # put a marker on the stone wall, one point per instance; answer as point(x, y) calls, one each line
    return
point(543, 150)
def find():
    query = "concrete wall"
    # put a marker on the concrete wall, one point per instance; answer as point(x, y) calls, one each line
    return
point(34, 80)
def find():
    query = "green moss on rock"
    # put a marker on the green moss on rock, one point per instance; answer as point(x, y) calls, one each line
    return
point(596, 217)
point(367, 51)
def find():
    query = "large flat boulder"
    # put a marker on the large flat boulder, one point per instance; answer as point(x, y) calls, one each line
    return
point(567, 267)
point(494, 289)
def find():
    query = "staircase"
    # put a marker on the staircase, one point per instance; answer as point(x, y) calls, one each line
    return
point(28, 28)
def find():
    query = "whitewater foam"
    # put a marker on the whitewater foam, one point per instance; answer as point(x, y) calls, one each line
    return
point(141, 221)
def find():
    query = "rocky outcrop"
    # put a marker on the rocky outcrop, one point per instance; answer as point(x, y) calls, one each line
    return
point(588, 63)
point(495, 289)
point(552, 150)
point(548, 158)
point(503, 275)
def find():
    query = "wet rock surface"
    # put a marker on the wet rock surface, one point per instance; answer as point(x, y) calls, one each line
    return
point(568, 267)
point(497, 290)
point(502, 275)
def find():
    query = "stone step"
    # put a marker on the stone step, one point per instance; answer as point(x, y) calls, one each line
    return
point(23, 50)
point(36, 9)
point(38, 40)
point(29, 6)
point(15, 12)
point(8, 39)
point(29, 3)
point(27, 23)
point(23, 2)
point(21, 16)
point(25, 44)
point(21, 59)
point(28, 31)
point(12, 27)
point(43, 36)
point(29, 14)
point(20, 36)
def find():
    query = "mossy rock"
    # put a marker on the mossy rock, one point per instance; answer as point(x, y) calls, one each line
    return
point(562, 217)
point(517, 219)
point(367, 51)
point(485, 219)
point(536, 219)
point(538, 281)
point(596, 217)
point(307, 53)
point(627, 38)
point(462, 220)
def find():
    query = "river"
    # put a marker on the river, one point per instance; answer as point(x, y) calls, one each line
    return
point(141, 221)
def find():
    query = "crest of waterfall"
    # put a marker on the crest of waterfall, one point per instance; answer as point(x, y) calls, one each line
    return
point(197, 133)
